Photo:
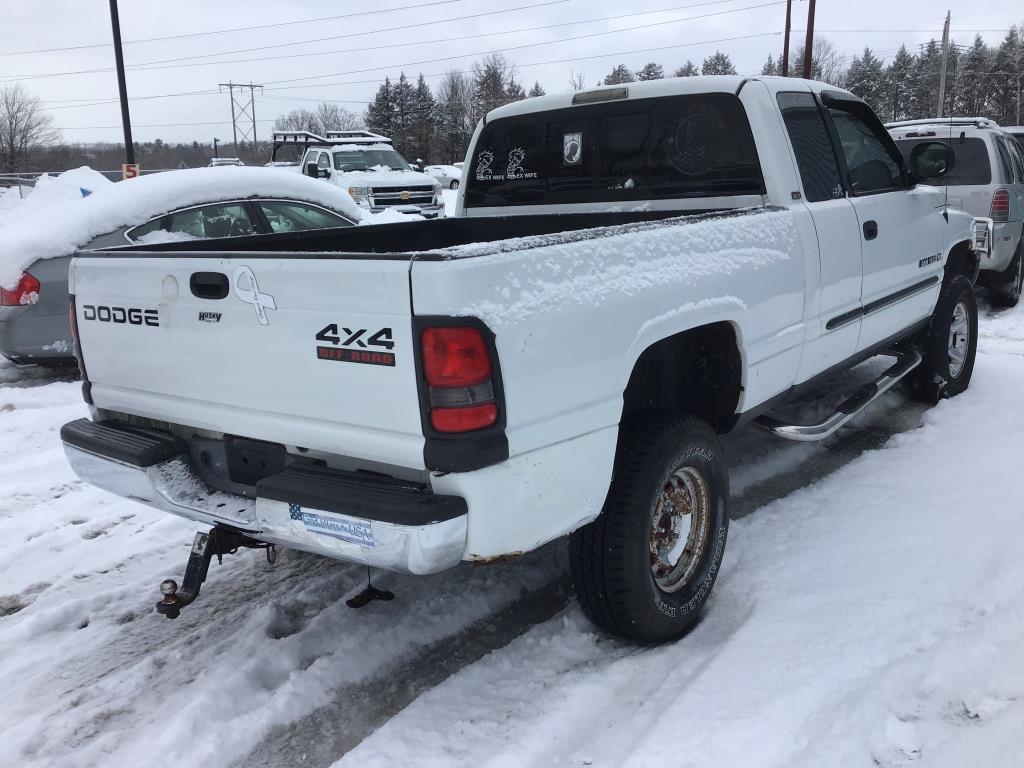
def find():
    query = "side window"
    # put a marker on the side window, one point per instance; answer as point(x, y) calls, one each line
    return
point(297, 217)
point(871, 167)
point(815, 158)
point(225, 220)
point(1018, 159)
point(310, 157)
point(324, 161)
point(145, 229)
point(1004, 160)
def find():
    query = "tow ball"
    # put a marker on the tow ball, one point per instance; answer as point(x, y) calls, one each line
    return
point(218, 542)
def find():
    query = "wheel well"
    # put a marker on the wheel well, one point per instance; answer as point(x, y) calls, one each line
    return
point(961, 261)
point(696, 372)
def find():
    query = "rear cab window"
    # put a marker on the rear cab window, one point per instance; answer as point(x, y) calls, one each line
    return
point(648, 149)
point(971, 165)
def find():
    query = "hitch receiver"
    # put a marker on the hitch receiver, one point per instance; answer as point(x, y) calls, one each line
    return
point(218, 542)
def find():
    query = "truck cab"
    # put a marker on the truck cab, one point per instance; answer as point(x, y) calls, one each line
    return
point(368, 167)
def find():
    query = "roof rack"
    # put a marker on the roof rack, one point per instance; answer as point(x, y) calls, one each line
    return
point(306, 139)
point(977, 122)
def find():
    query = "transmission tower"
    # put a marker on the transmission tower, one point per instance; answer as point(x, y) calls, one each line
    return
point(243, 110)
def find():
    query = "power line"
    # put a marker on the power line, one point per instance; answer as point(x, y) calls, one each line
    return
point(519, 47)
point(238, 29)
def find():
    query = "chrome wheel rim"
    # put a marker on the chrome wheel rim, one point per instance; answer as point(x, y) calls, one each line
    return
point(959, 339)
point(680, 525)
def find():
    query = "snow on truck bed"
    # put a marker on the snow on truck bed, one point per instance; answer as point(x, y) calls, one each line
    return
point(873, 618)
point(63, 225)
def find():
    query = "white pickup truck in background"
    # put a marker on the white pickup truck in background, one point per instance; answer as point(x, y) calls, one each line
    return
point(368, 167)
point(633, 271)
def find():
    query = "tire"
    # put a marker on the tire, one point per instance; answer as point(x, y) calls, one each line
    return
point(1006, 287)
point(454, 184)
point(611, 559)
point(941, 374)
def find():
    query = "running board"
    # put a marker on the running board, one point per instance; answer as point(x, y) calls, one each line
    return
point(853, 405)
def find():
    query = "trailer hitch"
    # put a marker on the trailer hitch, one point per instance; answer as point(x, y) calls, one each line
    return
point(218, 542)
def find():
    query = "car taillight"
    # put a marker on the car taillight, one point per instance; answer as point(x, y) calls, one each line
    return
point(1000, 205)
point(458, 368)
point(25, 292)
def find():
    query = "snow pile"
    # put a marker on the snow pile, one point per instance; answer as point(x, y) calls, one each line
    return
point(60, 228)
point(49, 190)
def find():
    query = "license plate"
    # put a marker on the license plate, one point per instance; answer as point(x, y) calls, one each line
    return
point(346, 529)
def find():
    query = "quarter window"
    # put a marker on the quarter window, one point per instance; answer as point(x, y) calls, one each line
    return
point(815, 157)
point(870, 165)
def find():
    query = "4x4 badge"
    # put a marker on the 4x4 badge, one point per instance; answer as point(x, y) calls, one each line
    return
point(250, 293)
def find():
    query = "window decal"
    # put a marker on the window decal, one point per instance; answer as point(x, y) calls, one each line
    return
point(572, 148)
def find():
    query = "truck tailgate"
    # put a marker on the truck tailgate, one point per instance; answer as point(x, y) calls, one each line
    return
point(309, 351)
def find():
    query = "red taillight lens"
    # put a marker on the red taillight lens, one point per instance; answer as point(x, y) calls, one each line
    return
point(455, 357)
point(1000, 205)
point(458, 368)
point(25, 292)
point(464, 419)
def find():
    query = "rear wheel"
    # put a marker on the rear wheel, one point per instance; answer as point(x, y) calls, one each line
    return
point(949, 344)
point(646, 566)
point(1007, 286)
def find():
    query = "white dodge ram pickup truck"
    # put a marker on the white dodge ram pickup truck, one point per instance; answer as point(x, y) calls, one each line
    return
point(633, 271)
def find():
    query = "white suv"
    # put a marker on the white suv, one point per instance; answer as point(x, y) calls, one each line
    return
point(986, 179)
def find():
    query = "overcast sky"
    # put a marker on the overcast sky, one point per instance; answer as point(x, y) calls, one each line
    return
point(347, 69)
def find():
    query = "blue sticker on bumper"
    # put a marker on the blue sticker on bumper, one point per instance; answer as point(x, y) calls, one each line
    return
point(352, 531)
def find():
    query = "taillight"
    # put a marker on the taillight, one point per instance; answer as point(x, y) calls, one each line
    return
point(25, 292)
point(1000, 205)
point(458, 369)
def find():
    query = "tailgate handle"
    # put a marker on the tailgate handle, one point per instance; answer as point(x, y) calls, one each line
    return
point(209, 285)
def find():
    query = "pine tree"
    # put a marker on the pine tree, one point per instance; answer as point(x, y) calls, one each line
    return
point(536, 90)
point(651, 71)
point(514, 91)
point(718, 63)
point(491, 77)
point(1006, 73)
point(689, 69)
point(898, 85)
point(423, 116)
point(403, 107)
point(770, 67)
point(866, 78)
point(380, 115)
point(619, 75)
point(973, 85)
point(924, 81)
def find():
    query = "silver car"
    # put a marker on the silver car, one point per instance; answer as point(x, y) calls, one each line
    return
point(34, 323)
point(986, 179)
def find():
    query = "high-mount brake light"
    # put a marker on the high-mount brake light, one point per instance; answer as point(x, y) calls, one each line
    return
point(25, 292)
point(458, 369)
point(1000, 206)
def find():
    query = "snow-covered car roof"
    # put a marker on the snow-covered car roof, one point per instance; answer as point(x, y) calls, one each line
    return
point(69, 224)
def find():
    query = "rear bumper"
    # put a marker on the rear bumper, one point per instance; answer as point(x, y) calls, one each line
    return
point(1006, 235)
point(296, 508)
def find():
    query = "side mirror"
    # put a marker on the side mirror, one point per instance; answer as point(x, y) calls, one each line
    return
point(312, 171)
point(324, 173)
point(931, 160)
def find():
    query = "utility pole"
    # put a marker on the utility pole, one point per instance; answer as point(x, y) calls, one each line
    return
point(243, 111)
point(809, 44)
point(785, 40)
point(942, 67)
point(215, 141)
point(126, 121)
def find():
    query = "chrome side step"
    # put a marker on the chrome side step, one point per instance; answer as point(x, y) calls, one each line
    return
point(853, 405)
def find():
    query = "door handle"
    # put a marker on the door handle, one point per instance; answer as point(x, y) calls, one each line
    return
point(870, 230)
point(209, 285)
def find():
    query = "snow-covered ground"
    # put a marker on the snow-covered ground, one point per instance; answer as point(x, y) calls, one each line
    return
point(870, 612)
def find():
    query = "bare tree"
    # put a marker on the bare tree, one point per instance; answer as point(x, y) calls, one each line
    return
point(326, 117)
point(24, 127)
point(827, 64)
point(577, 80)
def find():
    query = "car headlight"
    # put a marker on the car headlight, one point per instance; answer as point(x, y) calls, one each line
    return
point(360, 194)
point(437, 193)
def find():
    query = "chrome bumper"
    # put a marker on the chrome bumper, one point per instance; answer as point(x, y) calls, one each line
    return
point(173, 487)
